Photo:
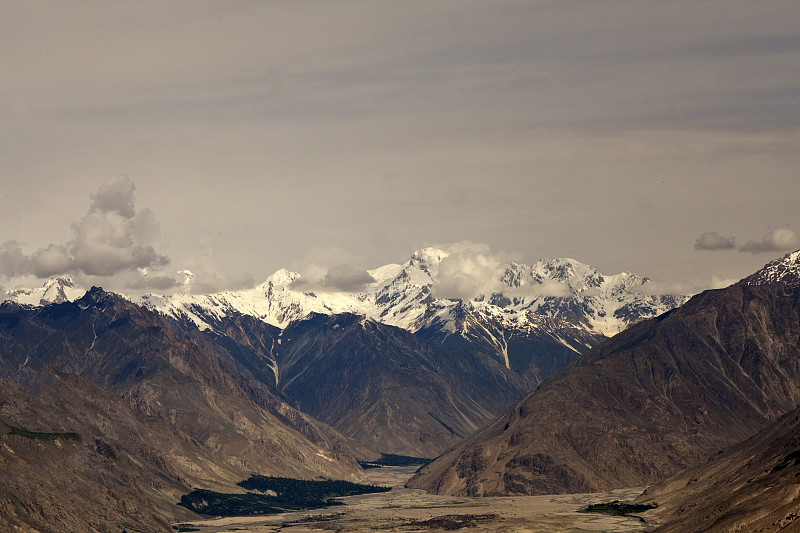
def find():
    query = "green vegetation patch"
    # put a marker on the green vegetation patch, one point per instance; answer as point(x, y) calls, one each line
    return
point(274, 495)
point(618, 508)
point(305, 490)
point(390, 459)
point(315, 518)
point(41, 435)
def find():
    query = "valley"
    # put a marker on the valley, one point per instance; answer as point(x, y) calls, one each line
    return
point(403, 510)
point(501, 266)
point(115, 401)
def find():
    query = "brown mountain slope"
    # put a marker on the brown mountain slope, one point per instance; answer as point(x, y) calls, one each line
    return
point(169, 405)
point(109, 470)
point(659, 397)
point(752, 486)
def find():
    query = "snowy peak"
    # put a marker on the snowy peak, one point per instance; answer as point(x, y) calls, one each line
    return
point(282, 278)
point(570, 275)
point(783, 270)
point(53, 291)
point(564, 290)
point(428, 260)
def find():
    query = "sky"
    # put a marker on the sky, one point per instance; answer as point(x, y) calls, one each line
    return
point(142, 139)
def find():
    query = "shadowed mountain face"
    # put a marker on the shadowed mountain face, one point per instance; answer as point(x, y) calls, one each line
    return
point(751, 486)
point(388, 389)
point(455, 365)
point(661, 396)
point(105, 454)
point(157, 410)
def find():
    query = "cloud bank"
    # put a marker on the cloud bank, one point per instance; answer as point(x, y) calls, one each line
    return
point(346, 278)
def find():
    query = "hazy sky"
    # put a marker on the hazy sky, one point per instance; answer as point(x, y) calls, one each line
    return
point(234, 138)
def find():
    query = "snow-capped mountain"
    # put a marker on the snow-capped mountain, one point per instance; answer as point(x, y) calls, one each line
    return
point(405, 296)
point(54, 290)
point(782, 270)
point(563, 300)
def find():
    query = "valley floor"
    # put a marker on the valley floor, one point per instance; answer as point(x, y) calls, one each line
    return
point(406, 510)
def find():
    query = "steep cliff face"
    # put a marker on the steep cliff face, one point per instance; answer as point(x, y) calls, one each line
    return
point(169, 404)
point(661, 396)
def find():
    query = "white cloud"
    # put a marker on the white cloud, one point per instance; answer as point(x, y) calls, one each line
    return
point(469, 270)
point(718, 282)
point(51, 261)
point(110, 239)
point(13, 261)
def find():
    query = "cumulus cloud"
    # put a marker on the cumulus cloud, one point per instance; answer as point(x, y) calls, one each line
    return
point(346, 278)
point(469, 270)
point(112, 238)
point(330, 269)
point(115, 196)
point(713, 241)
point(779, 240)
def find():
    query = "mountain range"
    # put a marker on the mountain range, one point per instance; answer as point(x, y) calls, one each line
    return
point(141, 400)
point(394, 367)
point(406, 296)
point(661, 396)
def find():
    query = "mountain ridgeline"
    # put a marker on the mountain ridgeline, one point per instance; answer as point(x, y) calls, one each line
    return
point(394, 367)
point(144, 399)
point(400, 370)
point(664, 395)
